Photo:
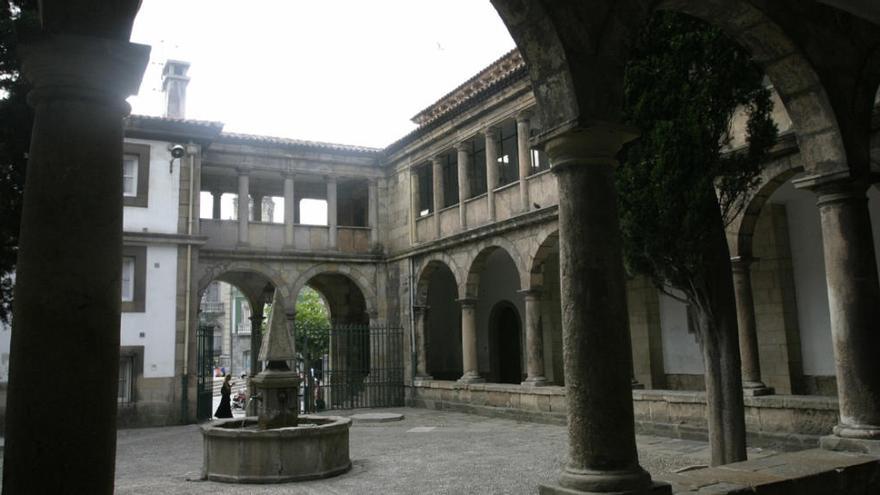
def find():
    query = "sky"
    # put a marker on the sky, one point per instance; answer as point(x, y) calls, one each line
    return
point(341, 71)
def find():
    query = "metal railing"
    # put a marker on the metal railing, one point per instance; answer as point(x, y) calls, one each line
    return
point(213, 307)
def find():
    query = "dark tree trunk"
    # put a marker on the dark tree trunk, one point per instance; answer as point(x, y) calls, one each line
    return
point(719, 342)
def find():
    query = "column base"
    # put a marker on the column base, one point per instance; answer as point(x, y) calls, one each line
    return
point(471, 377)
point(535, 381)
point(656, 488)
point(423, 378)
point(844, 444)
point(756, 389)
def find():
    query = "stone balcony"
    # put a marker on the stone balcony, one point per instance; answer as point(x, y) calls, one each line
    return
point(270, 237)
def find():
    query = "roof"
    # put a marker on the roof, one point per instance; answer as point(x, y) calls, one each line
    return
point(151, 127)
point(296, 143)
point(497, 71)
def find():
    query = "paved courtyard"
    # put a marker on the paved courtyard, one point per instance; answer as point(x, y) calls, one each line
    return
point(429, 452)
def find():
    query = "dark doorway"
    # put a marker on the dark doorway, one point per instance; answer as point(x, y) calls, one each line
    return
point(505, 330)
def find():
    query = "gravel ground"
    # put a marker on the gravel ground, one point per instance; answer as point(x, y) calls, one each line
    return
point(429, 452)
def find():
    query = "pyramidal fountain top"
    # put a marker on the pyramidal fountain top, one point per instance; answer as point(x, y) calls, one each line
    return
point(277, 343)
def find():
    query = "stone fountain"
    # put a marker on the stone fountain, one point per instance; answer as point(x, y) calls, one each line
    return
point(278, 445)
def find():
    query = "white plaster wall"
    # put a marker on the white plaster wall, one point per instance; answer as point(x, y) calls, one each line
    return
point(681, 353)
point(808, 262)
point(160, 215)
point(157, 322)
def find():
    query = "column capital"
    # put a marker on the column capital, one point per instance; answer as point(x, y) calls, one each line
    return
point(597, 144)
point(287, 174)
point(490, 131)
point(463, 147)
point(79, 67)
point(742, 262)
point(533, 293)
point(331, 179)
point(420, 308)
point(467, 302)
point(256, 319)
point(437, 160)
point(242, 172)
point(524, 116)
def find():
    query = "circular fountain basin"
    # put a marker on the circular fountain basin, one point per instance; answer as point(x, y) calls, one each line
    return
point(236, 451)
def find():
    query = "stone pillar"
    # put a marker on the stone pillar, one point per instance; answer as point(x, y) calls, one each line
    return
point(243, 213)
point(525, 158)
point(414, 200)
point(289, 203)
point(331, 211)
point(258, 207)
point(491, 169)
point(748, 335)
point(373, 212)
point(215, 207)
point(854, 304)
point(61, 427)
point(421, 321)
point(464, 187)
point(534, 339)
point(602, 454)
point(469, 342)
point(439, 193)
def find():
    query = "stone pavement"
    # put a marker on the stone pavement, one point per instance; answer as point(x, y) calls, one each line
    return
point(429, 452)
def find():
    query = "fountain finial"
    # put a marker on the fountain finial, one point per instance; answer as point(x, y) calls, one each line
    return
point(277, 344)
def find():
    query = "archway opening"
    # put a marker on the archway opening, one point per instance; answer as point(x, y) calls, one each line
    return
point(442, 323)
point(505, 329)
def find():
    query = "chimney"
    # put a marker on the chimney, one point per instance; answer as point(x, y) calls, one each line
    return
point(174, 81)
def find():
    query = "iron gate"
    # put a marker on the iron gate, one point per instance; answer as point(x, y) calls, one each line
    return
point(205, 378)
point(362, 367)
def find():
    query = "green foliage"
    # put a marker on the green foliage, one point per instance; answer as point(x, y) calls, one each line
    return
point(312, 324)
point(17, 18)
point(683, 85)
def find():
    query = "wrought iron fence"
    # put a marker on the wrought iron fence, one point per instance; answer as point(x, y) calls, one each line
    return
point(350, 366)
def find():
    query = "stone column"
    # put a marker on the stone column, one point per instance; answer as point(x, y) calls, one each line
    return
point(61, 426)
point(748, 335)
point(439, 193)
point(331, 211)
point(256, 365)
point(215, 207)
point(421, 321)
point(414, 200)
point(534, 339)
point(373, 211)
point(289, 203)
point(258, 207)
point(469, 342)
point(243, 213)
point(525, 157)
point(598, 359)
point(854, 304)
point(491, 169)
point(464, 187)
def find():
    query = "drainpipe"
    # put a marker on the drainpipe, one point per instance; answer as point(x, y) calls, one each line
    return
point(184, 378)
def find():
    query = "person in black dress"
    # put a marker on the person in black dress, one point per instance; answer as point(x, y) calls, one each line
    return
point(224, 410)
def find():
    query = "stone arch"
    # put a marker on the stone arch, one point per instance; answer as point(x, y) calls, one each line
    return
point(742, 229)
point(476, 265)
point(354, 275)
point(222, 272)
point(549, 246)
point(429, 266)
point(794, 78)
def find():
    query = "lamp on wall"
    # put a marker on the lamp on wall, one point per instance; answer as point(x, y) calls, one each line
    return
point(177, 151)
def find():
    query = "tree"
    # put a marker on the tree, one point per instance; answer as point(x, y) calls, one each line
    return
point(312, 325)
point(17, 18)
point(680, 184)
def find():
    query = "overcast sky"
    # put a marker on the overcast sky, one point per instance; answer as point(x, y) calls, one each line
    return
point(344, 71)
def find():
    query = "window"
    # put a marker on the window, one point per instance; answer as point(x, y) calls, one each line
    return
point(126, 366)
point(540, 162)
point(129, 175)
point(135, 174)
point(134, 271)
point(477, 170)
point(128, 278)
point(426, 191)
point(508, 158)
point(450, 179)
